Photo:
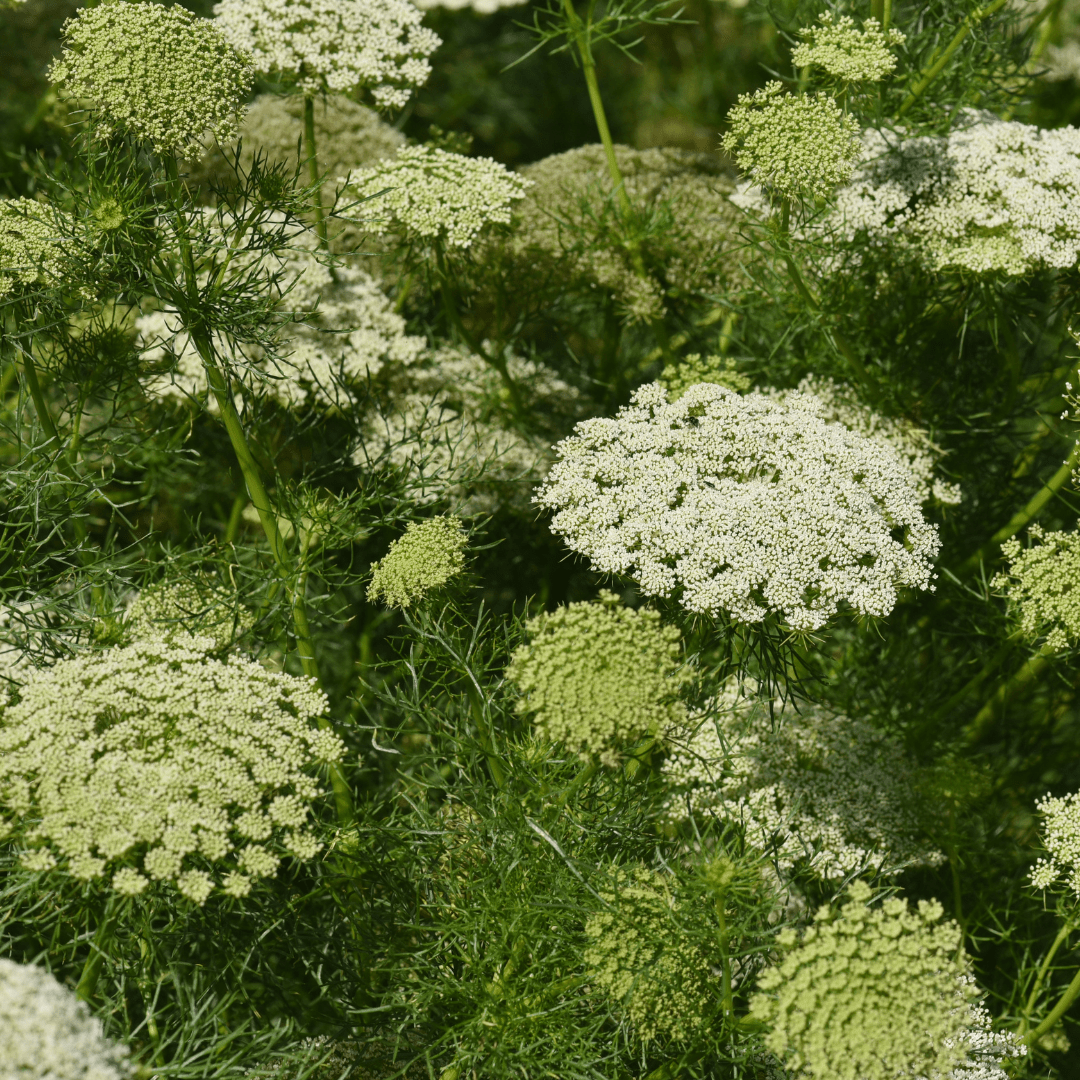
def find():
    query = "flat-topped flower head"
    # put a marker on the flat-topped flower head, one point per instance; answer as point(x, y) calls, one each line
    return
point(1043, 584)
point(870, 993)
point(637, 956)
point(846, 53)
point(736, 503)
point(334, 46)
point(46, 1033)
point(599, 676)
point(992, 196)
point(424, 559)
point(435, 195)
point(795, 146)
point(155, 762)
point(816, 790)
point(159, 73)
point(28, 245)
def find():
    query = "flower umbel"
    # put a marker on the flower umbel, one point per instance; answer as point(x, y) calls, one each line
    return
point(1061, 837)
point(160, 73)
point(869, 993)
point(598, 675)
point(846, 53)
point(156, 754)
point(736, 503)
point(793, 145)
point(424, 559)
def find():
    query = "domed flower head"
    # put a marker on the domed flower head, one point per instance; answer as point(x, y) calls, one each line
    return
point(424, 559)
point(742, 505)
point(341, 46)
point(599, 676)
point(870, 993)
point(46, 1032)
point(435, 194)
point(795, 146)
point(638, 956)
point(159, 73)
point(846, 53)
point(1042, 582)
point(155, 761)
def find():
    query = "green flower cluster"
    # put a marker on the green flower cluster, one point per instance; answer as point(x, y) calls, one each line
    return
point(27, 244)
point(869, 994)
point(177, 609)
point(846, 53)
point(155, 761)
point(424, 559)
point(160, 73)
point(1040, 582)
point(691, 370)
point(793, 145)
point(638, 955)
point(598, 674)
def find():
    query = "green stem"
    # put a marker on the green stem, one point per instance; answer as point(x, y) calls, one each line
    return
point(1044, 967)
point(886, 14)
point(1024, 517)
point(236, 516)
point(312, 153)
point(87, 984)
point(222, 391)
point(9, 375)
point(938, 66)
point(1057, 1012)
point(476, 704)
point(1029, 671)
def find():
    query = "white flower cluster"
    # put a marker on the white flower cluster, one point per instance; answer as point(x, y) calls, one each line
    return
point(178, 609)
point(1041, 582)
point(139, 760)
point(841, 405)
point(46, 1033)
point(814, 788)
point(448, 428)
point(1061, 838)
point(845, 53)
point(340, 46)
point(792, 145)
point(990, 196)
point(435, 195)
point(741, 504)
point(987, 1050)
point(345, 330)
point(158, 72)
point(28, 245)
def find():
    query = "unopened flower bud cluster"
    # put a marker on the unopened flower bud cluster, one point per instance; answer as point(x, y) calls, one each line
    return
point(869, 993)
point(738, 503)
point(429, 555)
point(28, 244)
point(846, 53)
point(991, 196)
point(814, 789)
point(1043, 583)
point(176, 610)
point(435, 195)
point(46, 1033)
point(153, 762)
point(337, 46)
point(638, 956)
point(599, 676)
point(795, 146)
point(159, 73)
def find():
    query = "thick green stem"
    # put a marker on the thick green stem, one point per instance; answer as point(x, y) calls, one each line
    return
point(1024, 517)
point(1040, 976)
point(260, 499)
point(311, 152)
point(236, 516)
point(88, 980)
point(1029, 671)
point(1057, 1012)
point(938, 66)
point(886, 14)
